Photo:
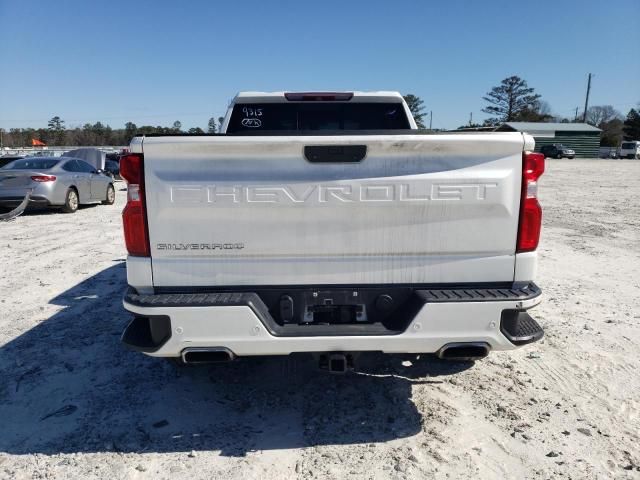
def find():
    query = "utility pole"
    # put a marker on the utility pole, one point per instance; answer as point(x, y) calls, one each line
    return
point(586, 100)
point(430, 119)
point(470, 118)
point(575, 117)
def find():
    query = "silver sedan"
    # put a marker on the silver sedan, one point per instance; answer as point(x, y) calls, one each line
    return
point(54, 182)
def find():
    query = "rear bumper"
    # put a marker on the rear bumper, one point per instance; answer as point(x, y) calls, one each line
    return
point(166, 324)
point(40, 194)
point(34, 201)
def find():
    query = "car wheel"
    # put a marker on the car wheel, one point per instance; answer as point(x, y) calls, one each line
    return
point(111, 196)
point(559, 155)
point(71, 202)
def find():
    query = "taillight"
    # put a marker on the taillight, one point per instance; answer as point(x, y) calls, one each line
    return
point(318, 96)
point(43, 178)
point(134, 215)
point(530, 209)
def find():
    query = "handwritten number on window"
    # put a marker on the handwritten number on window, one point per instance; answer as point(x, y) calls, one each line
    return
point(251, 112)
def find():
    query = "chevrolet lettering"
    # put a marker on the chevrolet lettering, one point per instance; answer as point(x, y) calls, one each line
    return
point(400, 192)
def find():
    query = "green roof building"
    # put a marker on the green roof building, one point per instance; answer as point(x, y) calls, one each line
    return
point(584, 139)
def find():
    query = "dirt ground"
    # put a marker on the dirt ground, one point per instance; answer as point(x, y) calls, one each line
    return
point(75, 404)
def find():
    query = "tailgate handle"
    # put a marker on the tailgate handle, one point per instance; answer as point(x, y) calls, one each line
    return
point(335, 153)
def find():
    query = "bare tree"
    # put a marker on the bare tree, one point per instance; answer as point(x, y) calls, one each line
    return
point(539, 111)
point(544, 108)
point(599, 114)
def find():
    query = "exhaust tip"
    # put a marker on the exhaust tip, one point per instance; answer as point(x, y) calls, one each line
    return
point(207, 355)
point(464, 351)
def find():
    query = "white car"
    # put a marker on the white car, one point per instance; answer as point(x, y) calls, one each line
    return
point(327, 223)
point(629, 150)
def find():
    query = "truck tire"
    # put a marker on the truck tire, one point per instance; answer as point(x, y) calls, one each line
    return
point(71, 202)
point(111, 195)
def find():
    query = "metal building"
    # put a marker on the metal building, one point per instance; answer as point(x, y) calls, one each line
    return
point(584, 139)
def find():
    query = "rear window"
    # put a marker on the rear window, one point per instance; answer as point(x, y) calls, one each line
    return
point(317, 116)
point(628, 146)
point(32, 164)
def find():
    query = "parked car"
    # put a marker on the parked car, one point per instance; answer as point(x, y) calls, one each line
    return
point(115, 156)
point(328, 223)
point(54, 182)
point(629, 149)
point(6, 159)
point(607, 152)
point(557, 150)
point(112, 168)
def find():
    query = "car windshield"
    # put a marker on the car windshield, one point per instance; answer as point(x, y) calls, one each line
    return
point(628, 146)
point(33, 164)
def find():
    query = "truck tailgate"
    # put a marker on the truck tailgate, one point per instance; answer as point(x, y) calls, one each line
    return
point(417, 209)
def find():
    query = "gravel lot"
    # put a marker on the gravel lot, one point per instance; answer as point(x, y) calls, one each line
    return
point(75, 404)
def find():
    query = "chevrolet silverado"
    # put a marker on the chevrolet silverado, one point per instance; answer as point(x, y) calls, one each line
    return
point(327, 223)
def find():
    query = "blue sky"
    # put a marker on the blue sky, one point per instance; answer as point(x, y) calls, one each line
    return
point(153, 62)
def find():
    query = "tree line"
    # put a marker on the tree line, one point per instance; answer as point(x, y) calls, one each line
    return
point(57, 134)
point(511, 101)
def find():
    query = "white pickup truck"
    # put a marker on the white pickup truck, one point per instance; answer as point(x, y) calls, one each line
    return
point(328, 223)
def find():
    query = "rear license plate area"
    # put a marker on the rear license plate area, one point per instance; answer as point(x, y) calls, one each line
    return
point(334, 314)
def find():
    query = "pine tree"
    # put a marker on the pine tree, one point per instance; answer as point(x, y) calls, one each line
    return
point(56, 130)
point(416, 106)
point(211, 126)
point(512, 100)
point(632, 125)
